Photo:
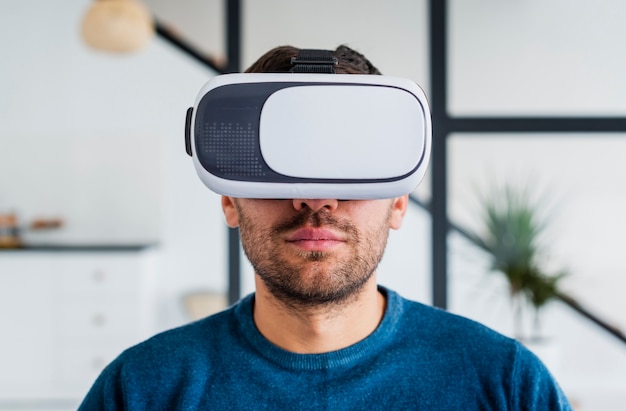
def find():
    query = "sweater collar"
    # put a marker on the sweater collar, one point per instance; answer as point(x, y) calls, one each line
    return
point(344, 357)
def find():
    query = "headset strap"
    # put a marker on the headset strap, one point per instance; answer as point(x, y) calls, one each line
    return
point(313, 61)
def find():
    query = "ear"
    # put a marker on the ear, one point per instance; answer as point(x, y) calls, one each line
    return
point(398, 210)
point(230, 211)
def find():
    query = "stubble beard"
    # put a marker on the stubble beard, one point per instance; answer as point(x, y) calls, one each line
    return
point(317, 281)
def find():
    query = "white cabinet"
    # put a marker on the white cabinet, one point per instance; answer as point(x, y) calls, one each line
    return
point(64, 315)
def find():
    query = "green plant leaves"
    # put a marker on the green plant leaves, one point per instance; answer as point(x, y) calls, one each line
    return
point(513, 226)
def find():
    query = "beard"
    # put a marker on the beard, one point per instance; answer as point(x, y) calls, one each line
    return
point(313, 278)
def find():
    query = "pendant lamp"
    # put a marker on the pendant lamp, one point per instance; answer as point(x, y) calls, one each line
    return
point(118, 26)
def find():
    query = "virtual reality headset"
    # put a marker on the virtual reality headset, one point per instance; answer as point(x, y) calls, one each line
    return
point(287, 135)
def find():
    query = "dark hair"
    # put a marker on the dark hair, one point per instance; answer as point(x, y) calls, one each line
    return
point(278, 60)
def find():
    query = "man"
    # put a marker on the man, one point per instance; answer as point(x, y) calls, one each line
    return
point(319, 333)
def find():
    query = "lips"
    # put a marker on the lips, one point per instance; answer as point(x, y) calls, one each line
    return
point(314, 234)
point(315, 239)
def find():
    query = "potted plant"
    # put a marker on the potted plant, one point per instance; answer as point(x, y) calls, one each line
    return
point(512, 229)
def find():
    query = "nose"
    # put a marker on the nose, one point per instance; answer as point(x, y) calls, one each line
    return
point(315, 204)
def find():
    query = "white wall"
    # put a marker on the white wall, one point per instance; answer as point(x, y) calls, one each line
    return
point(97, 139)
point(536, 57)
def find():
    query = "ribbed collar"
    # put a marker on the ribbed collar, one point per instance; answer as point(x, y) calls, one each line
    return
point(345, 357)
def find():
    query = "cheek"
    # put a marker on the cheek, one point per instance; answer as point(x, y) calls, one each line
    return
point(253, 236)
point(378, 215)
point(254, 224)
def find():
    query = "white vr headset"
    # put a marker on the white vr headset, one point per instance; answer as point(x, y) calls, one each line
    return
point(288, 135)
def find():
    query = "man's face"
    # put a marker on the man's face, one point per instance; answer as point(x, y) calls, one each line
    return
point(312, 252)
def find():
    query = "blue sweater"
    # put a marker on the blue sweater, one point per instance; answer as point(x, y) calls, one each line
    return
point(419, 358)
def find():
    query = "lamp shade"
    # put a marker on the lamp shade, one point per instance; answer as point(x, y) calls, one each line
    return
point(117, 25)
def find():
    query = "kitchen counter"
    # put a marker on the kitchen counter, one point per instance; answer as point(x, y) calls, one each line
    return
point(104, 247)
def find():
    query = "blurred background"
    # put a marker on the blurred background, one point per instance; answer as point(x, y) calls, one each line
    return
point(107, 236)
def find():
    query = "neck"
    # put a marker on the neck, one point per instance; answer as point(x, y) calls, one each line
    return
point(313, 330)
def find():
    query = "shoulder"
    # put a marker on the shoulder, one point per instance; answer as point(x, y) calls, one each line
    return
point(166, 351)
point(451, 339)
point(463, 347)
point(434, 324)
point(197, 339)
point(187, 355)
